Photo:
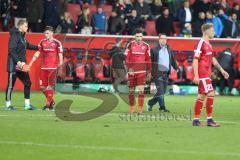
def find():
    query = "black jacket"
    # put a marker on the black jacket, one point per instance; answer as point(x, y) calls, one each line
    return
point(154, 57)
point(118, 57)
point(17, 46)
point(164, 25)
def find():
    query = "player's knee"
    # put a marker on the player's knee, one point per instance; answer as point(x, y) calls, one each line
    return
point(131, 90)
point(202, 96)
point(211, 94)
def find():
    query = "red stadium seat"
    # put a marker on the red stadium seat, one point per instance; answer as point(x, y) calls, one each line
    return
point(177, 28)
point(107, 9)
point(150, 28)
point(74, 10)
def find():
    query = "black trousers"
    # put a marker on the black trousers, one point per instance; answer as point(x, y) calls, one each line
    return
point(161, 83)
point(24, 78)
point(227, 82)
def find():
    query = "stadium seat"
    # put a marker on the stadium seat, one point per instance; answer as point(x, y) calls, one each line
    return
point(107, 9)
point(150, 28)
point(177, 28)
point(74, 10)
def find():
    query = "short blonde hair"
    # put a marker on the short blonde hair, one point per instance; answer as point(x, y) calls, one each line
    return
point(206, 26)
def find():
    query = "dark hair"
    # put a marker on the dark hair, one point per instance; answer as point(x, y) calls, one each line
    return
point(21, 22)
point(48, 28)
point(138, 30)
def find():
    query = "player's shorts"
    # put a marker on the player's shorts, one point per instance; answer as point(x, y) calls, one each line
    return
point(136, 79)
point(205, 86)
point(48, 77)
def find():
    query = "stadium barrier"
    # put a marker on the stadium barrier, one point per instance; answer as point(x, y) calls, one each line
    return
point(75, 44)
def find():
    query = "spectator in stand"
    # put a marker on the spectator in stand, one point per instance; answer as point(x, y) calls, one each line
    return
point(187, 31)
point(119, 8)
point(232, 27)
point(51, 13)
point(83, 19)
point(19, 10)
point(67, 24)
point(35, 15)
point(128, 8)
point(5, 12)
point(226, 60)
point(221, 14)
point(235, 9)
point(82, 2)
point(185, 14)
point(164, 24)
point(197, 32)
point(142, 9)
point(99, 21)
point(217, 23)
point(133, 22)
point(116, 24)
point(62, 7)
point(200, 6)
point(156, 8)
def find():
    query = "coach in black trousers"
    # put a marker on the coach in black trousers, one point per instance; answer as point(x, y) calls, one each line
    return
point(17, 46)
point(162, 60)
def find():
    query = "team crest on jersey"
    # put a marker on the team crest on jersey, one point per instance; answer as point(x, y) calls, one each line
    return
point(209, 87)
point(143, 47)
point(209, 53)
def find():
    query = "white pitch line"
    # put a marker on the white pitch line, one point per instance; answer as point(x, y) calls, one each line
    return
point(123, 149)
point(135, 118)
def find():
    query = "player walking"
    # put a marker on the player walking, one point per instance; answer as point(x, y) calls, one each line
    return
point(138, 61)
point(52, 56)
point(202, 66)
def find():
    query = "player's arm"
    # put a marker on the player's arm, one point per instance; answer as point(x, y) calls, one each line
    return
point(195, 70)
point(149, 63)
point(34, 58)
point(218, 66)
point(60, 55)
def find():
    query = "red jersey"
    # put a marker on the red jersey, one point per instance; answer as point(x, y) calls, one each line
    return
point(49, 52)
point(204, 54)
point(138, 57)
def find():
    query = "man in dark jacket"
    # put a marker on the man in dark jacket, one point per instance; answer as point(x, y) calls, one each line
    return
point(16, 66)
point(118, 58)
point(164, 24)
point(162, 60)
point(231, 27)
point(226, 60)
point(19, 10)
point(35, 14)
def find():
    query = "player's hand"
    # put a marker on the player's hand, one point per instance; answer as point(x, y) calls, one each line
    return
point(130, 71)
point(225, 74)
point(149, 76)
point(196, 80)
point(25, 68)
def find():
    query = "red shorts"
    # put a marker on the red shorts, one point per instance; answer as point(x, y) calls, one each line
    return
point(205, 86)
point(48, 77)
point(136, 79)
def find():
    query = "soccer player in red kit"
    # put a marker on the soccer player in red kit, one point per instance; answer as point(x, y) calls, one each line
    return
point(50, 50)
point(202, 66)
point(138, 61)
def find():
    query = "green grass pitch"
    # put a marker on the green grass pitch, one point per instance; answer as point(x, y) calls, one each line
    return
point(40, 135)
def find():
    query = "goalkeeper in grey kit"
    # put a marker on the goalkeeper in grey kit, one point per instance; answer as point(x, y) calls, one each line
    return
point(17, 67)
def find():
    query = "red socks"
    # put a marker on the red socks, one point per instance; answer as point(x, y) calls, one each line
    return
point(209, 106)
point(198, 108)
point(49, 96)
point(140, 102)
